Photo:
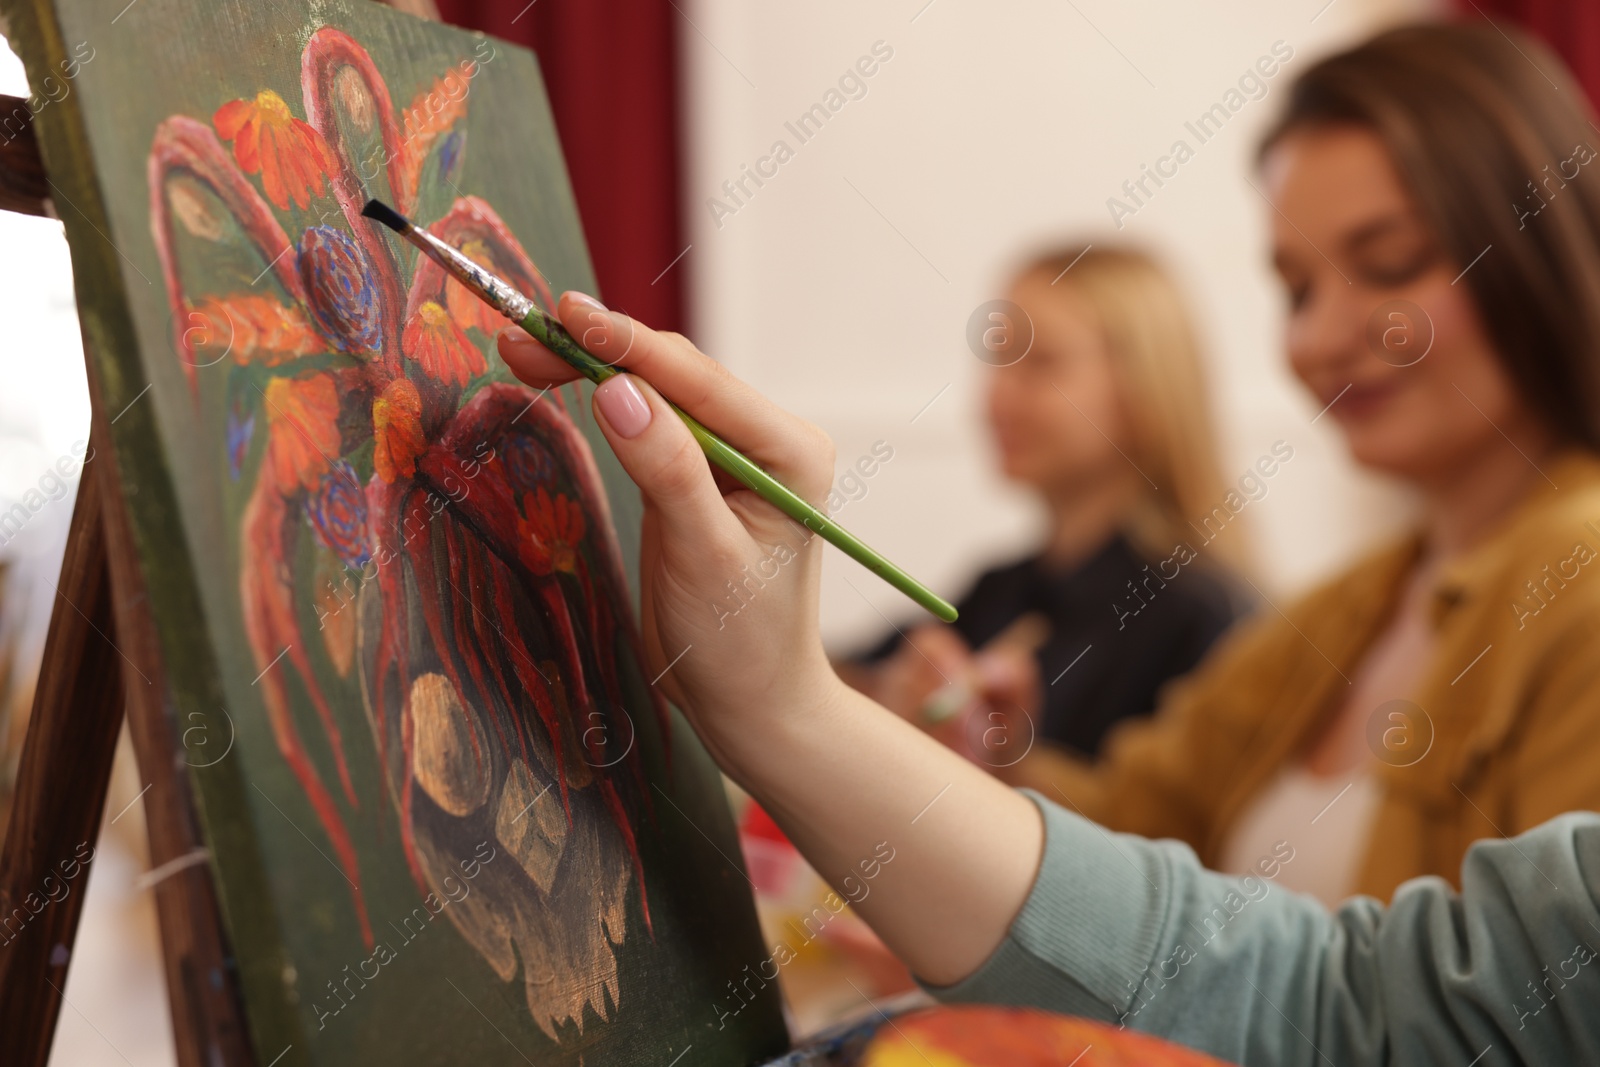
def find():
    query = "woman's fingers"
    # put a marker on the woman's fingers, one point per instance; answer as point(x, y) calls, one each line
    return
point(654, 445)
point(793, 450)
point(660, 455)
point(531, 361)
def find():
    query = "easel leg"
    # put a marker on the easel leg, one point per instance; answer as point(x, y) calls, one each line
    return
point(101, 649)
point(61, 791)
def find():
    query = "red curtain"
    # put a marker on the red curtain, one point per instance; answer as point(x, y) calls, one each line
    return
point(1570, 27)
point(611, 69)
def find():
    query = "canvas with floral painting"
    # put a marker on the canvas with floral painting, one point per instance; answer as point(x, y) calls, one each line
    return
point(454, 812)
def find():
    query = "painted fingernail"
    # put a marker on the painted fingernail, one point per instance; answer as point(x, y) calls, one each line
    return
point(516, 335)
point(623, 406)
point(585, 299)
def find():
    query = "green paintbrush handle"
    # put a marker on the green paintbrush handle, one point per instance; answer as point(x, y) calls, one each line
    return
point(785, 500)
point(550, 333)
point(554, 336)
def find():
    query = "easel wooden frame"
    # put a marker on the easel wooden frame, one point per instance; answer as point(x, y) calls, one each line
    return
point(100, 656)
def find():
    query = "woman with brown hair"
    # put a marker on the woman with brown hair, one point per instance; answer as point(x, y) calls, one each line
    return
point(1006, 896)
point(1096, 403)
point(1438, 235)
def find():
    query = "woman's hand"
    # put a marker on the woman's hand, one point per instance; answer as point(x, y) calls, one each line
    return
point(729, 583)
point(730, 622)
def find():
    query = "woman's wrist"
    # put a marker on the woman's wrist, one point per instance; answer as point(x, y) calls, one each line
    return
point(744, 739)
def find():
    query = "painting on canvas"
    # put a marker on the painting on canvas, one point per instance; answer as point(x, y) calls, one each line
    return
point(448, 810)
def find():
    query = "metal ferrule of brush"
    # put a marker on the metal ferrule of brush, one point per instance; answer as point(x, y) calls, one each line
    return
point(500, 294)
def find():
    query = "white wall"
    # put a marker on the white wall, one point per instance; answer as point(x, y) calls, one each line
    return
point(44, 408)
point(842, 286)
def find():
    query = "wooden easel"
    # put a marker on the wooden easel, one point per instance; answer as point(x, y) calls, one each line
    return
point(100, 656)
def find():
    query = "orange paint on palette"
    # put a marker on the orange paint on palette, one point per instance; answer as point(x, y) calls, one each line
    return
point(1016, 1037)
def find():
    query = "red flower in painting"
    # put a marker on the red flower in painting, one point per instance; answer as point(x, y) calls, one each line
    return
point(290, 155)
point(303, 428)
point(551, 530)
point(397, 438)
point(433, 339)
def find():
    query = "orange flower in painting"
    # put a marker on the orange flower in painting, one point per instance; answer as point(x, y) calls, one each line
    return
point(466, 309)
point(434, 340)
point(429, 117)
point(250, 328)
point(303, 429)
point(397, 438)
point(290, 155)
point(550, 531)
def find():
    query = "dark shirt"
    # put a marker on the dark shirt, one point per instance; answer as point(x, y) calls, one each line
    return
point(1111, 646)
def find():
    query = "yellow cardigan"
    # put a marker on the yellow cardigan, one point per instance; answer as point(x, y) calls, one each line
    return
point(1512, 695)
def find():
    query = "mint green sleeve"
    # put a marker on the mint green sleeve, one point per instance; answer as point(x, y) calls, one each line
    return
point(1136, 933)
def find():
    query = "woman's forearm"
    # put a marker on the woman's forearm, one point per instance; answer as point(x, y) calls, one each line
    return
point(849, 782)
point(1135, 932)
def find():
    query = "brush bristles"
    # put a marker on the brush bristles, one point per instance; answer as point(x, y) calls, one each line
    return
point(377, 209)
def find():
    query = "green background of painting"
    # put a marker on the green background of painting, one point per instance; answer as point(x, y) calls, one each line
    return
point(287, 908)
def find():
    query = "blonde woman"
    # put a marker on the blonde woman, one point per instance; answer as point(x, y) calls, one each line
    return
point(1097, 404)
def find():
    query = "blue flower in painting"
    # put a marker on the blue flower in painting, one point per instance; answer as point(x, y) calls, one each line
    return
point(340, 289)
point(450, 154)
point(337, 511)
point(241, 428)
point(528, 464)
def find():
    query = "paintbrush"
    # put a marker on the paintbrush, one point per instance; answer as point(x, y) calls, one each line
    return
point(522, 310)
